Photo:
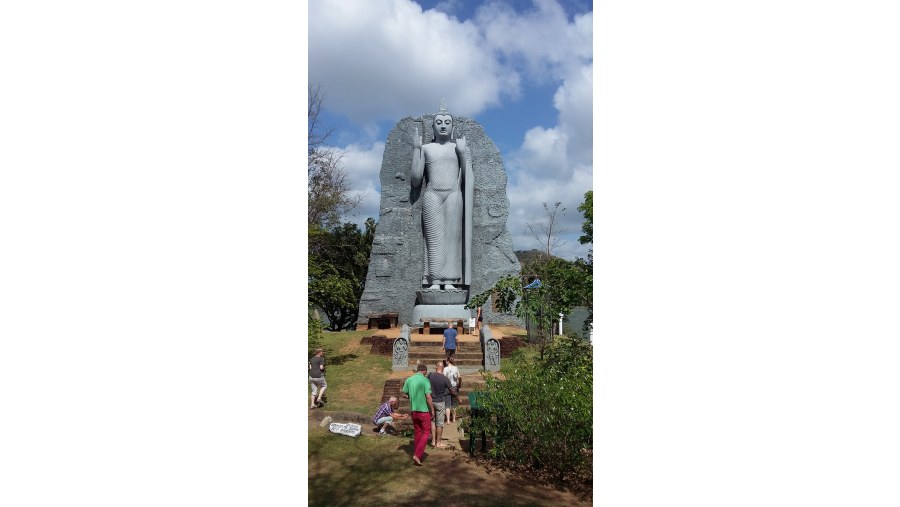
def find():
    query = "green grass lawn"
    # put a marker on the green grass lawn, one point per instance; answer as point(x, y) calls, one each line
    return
point(373, 470)
point(355, 378)
point(354, 471)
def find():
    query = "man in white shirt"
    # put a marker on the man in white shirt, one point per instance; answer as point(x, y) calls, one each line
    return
point(452, 373)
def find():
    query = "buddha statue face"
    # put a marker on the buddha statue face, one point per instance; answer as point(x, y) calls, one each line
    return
point(443, 126)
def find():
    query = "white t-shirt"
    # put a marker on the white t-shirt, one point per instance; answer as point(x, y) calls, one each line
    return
point(452, 373)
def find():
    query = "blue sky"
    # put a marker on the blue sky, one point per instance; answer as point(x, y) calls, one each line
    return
point(522, 69)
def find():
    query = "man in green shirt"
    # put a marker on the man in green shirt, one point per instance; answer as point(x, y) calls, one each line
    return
point(418, 388)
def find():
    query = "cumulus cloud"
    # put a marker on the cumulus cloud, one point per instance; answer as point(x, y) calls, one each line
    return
point(404, 57)
point(555, 165)
point(542, 38)
point(386, 59)
point(528, 193)
point(401, 58)
point(448, 6)
point(574, 100)
point(363, 165)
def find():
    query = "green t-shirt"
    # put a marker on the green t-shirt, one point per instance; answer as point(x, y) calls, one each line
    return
point(417, 387)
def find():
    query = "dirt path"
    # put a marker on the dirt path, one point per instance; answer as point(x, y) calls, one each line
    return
point(464, 479)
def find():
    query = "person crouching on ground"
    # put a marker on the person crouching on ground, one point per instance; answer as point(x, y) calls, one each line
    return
point(387, 414)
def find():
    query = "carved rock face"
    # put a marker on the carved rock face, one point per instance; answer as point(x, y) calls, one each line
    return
point(394, 279)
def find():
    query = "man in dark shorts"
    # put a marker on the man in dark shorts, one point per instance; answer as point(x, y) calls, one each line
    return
point(440, 394)
point(449, 342)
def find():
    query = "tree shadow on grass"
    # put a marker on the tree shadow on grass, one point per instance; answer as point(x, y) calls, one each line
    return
point(409, 449)
point(353, 472)
point(341, 359)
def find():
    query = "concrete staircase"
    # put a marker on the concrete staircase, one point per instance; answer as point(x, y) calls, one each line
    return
point(468, 356)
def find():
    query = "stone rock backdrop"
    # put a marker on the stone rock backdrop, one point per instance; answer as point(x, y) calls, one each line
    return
point(397, 262)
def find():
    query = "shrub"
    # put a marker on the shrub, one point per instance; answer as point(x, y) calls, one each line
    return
point(541, 415)
point(314, 334)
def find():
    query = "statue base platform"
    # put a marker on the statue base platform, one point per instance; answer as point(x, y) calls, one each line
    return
point(422, 313)
point(441, 296)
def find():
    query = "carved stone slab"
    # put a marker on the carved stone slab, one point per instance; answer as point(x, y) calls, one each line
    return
point(400, 360)
point(398, 251)
point(490, 348)
point(348, 429)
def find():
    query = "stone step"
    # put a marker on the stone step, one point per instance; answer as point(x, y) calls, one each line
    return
point(438, 356)
point(439, 343)
point(394, 387)
point(440, 351)
point(431, 359)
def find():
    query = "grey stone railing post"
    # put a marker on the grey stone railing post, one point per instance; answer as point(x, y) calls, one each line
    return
point(401, 350)
point(490, 348)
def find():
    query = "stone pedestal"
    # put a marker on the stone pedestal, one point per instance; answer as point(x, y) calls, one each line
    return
point(421, 313)
point(440, 305)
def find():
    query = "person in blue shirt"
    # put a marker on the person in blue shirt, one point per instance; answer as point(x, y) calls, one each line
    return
point(449, 342)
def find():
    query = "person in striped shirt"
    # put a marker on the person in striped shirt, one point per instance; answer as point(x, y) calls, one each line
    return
point(386, 414)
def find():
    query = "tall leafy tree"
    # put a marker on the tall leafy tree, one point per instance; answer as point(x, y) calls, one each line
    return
point(338, 264)
point(587, 210)
point(338, 252)
point(329, 194)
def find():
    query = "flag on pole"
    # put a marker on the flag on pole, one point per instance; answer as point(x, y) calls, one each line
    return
point(536, 284)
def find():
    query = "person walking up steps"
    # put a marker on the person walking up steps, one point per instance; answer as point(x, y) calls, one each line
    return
point(440, 391)
point(418, 388)
point(449, 342)
point(452, 374)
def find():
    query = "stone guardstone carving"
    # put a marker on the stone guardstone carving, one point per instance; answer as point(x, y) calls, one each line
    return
point(441, 235)
point(401, 350)
point(490, 348)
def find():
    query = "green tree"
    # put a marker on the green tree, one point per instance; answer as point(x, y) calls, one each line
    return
point(564, 285)
point(541, 415)
point(338, 264)
point(338, 253)
point(313, 332)
point(587, 210)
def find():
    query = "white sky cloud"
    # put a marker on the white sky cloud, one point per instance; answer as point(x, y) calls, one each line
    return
point(574, 100)
point(397, 66)
point(386, 58)
point(555, 165)
point(363, 165)
point(525, 202)
point(542, 37)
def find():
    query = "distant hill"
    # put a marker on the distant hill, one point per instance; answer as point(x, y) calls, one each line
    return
point(526, 256)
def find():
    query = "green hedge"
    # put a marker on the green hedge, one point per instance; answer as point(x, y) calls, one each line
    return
point(541, 415)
